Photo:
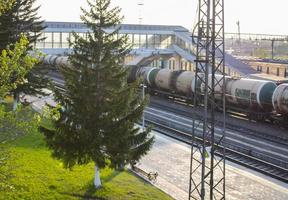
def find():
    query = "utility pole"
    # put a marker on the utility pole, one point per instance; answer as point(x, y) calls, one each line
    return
point(239, 36)
point(143, 96)
point(207, 171)
point(140, 4)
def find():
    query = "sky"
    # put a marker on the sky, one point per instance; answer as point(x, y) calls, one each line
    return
point(255, 16)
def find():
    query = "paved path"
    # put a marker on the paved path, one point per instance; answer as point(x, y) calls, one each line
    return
point(171, 160)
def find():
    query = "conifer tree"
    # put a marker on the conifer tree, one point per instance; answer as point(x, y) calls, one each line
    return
point(22, 19)
point(99, 108)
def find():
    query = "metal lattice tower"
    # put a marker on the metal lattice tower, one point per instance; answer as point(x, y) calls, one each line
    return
point(207, 171)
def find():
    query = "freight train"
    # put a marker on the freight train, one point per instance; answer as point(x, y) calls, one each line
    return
point(258, 99)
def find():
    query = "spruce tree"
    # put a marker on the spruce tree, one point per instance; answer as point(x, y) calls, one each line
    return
point(99, 108)
point(22, 19)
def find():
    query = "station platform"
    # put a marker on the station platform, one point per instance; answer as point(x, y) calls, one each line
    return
point(171, 160)
point(268, 77)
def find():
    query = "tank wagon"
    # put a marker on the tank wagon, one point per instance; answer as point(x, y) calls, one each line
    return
point(280, 99)
point(250, 93)
point(55, 60)
point(258, 98)
point(245, 93)
point(184, 82)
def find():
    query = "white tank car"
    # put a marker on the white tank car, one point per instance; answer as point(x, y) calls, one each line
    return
point(250, 93)
point(63, 61)
point(219, 80)
point(56, 60)
point(48, 59)
point(280, 99)
point(198, 84)
point(184, 82)
point(52, 60)
point(163, 79)
point(144, 72)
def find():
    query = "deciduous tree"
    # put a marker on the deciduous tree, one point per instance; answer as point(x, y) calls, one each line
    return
point(5, 5)
point(14, 65)
point(22, 19)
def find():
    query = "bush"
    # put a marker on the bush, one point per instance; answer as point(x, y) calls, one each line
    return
point(12, 126)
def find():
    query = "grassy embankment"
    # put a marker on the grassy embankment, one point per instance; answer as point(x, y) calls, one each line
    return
point(35, 175)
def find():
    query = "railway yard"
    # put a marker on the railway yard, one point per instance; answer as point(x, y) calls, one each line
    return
point(256, 166)
point(259, 145)
point(261, 148)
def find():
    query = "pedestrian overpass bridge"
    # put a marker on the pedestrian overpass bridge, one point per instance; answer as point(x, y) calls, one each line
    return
point(155, 45)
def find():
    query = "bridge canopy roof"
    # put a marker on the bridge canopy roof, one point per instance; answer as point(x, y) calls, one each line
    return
point(124, 28)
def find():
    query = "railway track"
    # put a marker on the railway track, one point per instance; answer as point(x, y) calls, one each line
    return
point(187, 111)
point(272, 152)
point(250, 162)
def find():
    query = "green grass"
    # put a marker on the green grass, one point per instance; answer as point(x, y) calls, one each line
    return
point(35, 175)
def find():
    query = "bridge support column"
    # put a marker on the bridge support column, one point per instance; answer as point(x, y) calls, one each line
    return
point(177, 62)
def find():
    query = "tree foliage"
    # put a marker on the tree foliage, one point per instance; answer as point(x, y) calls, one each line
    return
point(21, 19)
point(14, 66)
point(15, 124)
point(5, 5)
point(99, 108)
point(12, 126)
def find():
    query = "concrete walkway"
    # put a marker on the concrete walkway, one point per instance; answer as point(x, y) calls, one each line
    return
point(171, 159)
